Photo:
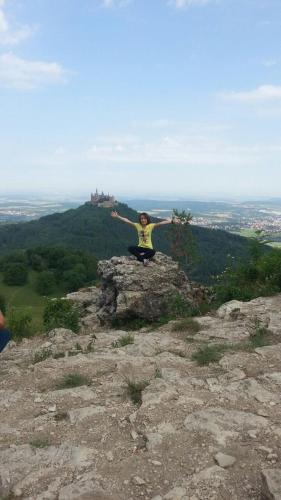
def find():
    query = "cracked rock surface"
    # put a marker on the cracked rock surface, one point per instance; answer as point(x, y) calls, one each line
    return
point(197, 433)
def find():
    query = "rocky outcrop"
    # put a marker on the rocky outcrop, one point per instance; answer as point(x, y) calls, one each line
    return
point(197, 433)
point(130, 290)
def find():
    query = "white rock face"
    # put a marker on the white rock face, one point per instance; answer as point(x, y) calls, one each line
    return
point(131, 290)
point(193, 433)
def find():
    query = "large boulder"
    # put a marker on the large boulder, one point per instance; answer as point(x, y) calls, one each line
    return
point(131, 290)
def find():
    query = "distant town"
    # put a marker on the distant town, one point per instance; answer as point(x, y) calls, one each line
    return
point(242, 218)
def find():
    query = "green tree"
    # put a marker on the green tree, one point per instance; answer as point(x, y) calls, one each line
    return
point(61, 313)
point(19, 323)
point(15, 274)
point(45, 283)
point(2, 303)
point(183, 246)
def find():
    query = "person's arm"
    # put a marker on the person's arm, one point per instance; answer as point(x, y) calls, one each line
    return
point(2, 321)
point(115, 215)
point(167, 221)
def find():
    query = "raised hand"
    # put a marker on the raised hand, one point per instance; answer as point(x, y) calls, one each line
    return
point(114, 213)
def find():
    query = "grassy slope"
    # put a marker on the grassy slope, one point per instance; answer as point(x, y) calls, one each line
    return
point(25, 298)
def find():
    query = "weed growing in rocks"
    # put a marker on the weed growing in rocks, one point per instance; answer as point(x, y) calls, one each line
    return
point(58, 355)
point(258, 334)
point(187, 324)
point(158, 373)
point(40, 442)
point(134, 390)
point(41, 356)
point(61, 313)
point(208, 354)
point(73, 380)
point(60, 415)
point(123, 341)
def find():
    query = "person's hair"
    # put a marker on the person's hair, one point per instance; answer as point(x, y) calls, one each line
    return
point(144, 214)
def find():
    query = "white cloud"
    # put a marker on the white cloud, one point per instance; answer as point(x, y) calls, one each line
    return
point(268, 63)
point(115, 3)
point(183, 4)
point(26, 75)
point(9, 36)
point(188, 150)
point(260, 94)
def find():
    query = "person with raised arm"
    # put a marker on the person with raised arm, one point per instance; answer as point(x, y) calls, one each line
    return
point(5, 335)
point(144, 250)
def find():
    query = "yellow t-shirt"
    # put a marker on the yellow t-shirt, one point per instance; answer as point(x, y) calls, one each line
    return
point(144, 234)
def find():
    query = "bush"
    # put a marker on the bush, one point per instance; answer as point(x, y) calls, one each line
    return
point(186, 325)
point(134, 390)
point(61, 313)
point(46, 283)
point(247, 280)
point(19, 323)
point(208, 354)
point(2, 304)
point(15, 274)
point(73, 380)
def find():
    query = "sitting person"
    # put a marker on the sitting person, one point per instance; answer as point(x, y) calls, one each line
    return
point(5, 335)
point(144, 251)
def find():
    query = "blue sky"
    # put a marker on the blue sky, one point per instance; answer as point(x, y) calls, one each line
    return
point(141, 97)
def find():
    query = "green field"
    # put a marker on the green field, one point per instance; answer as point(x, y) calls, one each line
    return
point(25, 298)
point(247, 233)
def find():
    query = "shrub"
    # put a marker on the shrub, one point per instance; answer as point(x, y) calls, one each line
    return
point(2, 304)
point(124, 340)
point(208, 354)
point(61, 313)
point(246, 280)
point(179, 308)
point(73, 380)
point(15, 274)
point(186, 325)
point(41, 356)
point(134, 390)
point(46, 283)
point(19, 323)
point(40, 442)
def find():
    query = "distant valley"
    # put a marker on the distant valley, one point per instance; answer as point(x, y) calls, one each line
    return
point(241, 218)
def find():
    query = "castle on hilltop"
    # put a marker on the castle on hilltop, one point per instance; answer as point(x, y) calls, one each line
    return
point(102, 200)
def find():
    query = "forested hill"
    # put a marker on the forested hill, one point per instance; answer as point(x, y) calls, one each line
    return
point(93, 229)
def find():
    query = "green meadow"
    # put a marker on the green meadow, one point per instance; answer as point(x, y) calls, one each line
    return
point(25, 298)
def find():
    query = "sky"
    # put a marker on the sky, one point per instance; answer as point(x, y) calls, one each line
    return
point(166, 98)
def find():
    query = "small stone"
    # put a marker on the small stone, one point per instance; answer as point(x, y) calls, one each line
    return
point(132, 417)
point(264, 448)
point(175, 494)
point(38, 400)
point(272, 403)
point(17, 492)
point(262, 413)
point(156, 462)
point(271, 484)
point(272, 456)
point(224, 460)
point(134, 435)
point(52, 408)
point(252, 433)
point(109, 456)
point(138, 481)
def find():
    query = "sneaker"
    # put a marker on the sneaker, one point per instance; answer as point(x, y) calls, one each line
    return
point(145, 262)
point(132, 257)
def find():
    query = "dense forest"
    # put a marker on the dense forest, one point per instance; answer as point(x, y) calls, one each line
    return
point(92, 229)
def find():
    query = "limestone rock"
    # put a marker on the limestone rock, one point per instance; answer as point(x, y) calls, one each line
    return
point(131, 290)
point(271, 484)
point(224, 460)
